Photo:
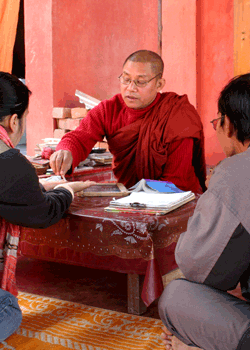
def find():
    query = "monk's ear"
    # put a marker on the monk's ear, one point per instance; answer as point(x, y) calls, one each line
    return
point(160, 84)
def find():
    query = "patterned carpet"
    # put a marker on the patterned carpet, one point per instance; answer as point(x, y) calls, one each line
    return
point(50, 323)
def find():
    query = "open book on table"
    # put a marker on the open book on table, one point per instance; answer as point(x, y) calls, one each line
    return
point(155, 186)
point(150, 203)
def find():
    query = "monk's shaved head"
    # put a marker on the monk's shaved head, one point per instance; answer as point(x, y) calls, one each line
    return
point(146, 56)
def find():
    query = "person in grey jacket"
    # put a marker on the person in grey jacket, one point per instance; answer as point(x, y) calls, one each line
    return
point(214, 253)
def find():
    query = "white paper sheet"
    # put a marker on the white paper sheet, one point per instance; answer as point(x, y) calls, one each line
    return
point(152, 200)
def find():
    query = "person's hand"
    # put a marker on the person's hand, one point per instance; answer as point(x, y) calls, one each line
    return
point(77, 186)
point(61, 161)
point(49, 185)
point(211, 170)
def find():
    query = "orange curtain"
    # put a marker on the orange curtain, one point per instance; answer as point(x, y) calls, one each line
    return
point(9, 10)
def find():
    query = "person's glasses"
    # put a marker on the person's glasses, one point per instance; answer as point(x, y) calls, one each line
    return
point(138, 82)
point(215, 122)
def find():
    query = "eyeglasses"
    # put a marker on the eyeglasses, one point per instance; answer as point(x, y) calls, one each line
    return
point(139, 83)
point(215, 121)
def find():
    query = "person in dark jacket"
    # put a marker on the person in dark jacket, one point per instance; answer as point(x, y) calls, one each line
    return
point(23, 200)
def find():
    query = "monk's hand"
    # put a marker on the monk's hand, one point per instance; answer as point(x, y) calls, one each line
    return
point(60, 162)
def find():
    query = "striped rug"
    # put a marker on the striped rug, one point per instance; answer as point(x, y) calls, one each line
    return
point(54, 324)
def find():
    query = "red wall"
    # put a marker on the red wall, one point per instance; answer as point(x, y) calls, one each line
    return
point(198, 54)
point(198, 51)
point(215, 66)
point(82, 45)
point(91, 40)
point(179, 47)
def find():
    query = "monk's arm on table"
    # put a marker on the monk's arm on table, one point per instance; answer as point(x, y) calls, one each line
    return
point(81, 141)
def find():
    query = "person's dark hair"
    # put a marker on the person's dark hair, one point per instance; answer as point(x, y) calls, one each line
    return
point(146, 56)
point(234, 102)
point(14, 96)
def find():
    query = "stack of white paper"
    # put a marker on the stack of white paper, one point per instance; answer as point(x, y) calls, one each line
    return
point(142, 200)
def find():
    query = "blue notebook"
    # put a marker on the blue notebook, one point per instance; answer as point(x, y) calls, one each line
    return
point(155, 186)
point(163, 186)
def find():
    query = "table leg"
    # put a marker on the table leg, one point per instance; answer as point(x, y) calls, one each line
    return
point(135, 304)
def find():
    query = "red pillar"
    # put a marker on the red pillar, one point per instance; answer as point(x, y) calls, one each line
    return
point(39, 77)
point(215, 65)
point(198, 54)
point(179, 47)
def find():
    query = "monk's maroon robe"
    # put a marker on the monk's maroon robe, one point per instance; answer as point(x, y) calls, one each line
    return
point(140, 140)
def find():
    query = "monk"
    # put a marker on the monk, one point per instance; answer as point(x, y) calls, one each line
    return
point(214, 253)
point(151, 135)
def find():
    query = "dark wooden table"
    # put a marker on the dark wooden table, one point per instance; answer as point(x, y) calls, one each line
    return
point(142, 246)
